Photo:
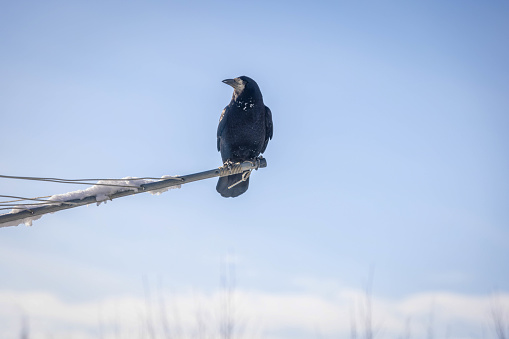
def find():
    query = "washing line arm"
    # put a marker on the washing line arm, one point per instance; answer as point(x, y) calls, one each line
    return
point(222, 171)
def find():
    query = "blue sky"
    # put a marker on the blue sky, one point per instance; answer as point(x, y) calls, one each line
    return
point(389, 154)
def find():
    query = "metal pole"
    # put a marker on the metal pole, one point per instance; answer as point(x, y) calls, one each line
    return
point(175, 181)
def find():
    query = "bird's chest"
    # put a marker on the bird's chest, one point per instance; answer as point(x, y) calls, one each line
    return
point(245, 124)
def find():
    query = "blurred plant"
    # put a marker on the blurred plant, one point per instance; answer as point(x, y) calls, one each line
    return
point(500, 319)
point(25, 330)
point(365, 313)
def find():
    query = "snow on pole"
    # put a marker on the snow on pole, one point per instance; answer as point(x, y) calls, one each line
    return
point(102, 192)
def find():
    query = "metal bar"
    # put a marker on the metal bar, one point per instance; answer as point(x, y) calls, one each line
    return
point(184, 179)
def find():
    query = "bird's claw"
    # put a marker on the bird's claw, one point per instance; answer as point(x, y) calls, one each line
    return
point(228, 164)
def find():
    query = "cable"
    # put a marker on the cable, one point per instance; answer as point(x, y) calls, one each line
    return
point(72, 180)
point(10, 204)
point(29, 206)
point(7, 205)
point(22, 199)
point(77, 181)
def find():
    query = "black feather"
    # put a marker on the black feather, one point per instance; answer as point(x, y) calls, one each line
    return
point(244, 130)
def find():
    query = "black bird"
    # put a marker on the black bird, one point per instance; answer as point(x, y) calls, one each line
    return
point(244, 130)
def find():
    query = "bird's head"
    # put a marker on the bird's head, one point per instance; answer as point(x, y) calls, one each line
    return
point(242, 85)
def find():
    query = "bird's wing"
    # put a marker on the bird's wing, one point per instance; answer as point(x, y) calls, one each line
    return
point(220, 128)
point(268, 128)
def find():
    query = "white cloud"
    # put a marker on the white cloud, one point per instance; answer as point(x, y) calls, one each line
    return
point(255, 313)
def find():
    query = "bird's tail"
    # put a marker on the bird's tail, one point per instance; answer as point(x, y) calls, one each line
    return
point(225, 182)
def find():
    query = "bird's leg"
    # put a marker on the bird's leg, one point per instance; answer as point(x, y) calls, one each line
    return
point(228, 163)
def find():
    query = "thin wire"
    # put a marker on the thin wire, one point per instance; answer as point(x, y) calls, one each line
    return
point(5, 205)
point(29, 206)
point(42, 201)
point(87, 183)
point(23, 206)
point(11, 206)
point(22, 199)
point(71, 180)
point(77, 181)
point(82, 183)
point(52, 202)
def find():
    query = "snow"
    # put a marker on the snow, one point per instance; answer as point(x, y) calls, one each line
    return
point(101, 192)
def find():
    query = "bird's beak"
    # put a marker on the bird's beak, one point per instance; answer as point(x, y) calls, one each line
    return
point(230, 82)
